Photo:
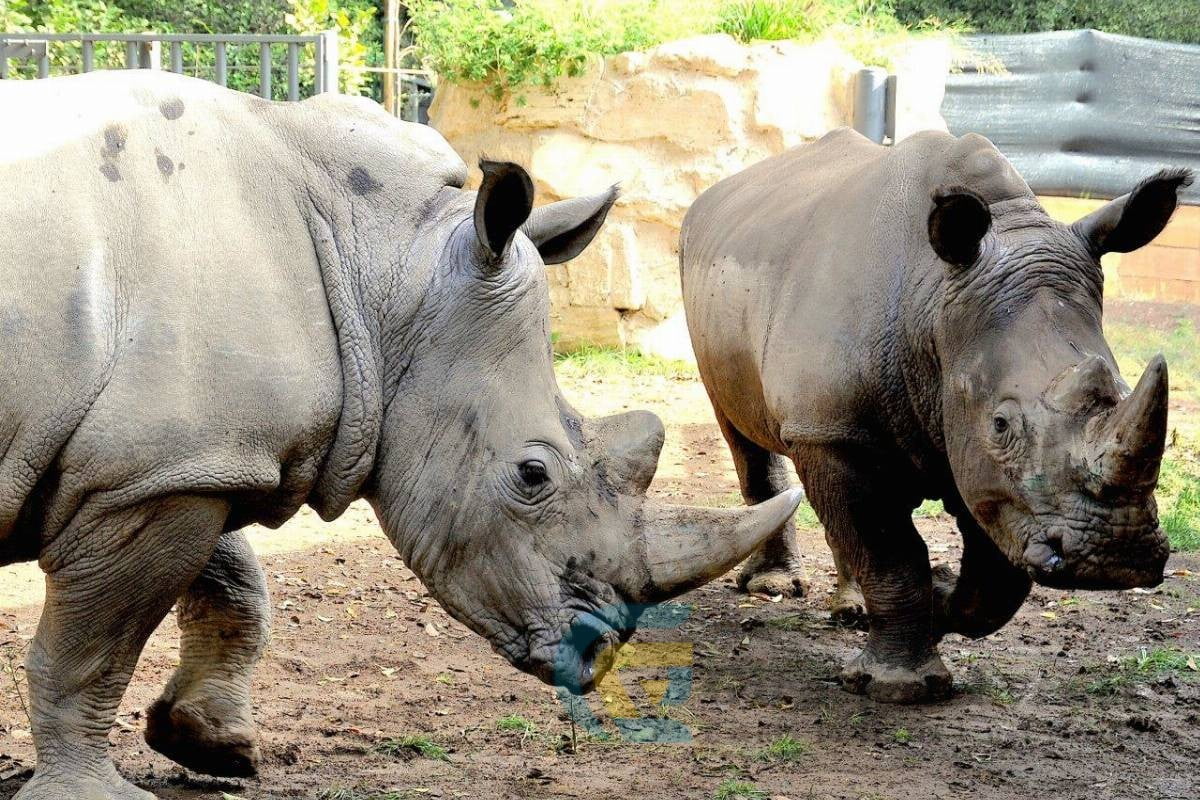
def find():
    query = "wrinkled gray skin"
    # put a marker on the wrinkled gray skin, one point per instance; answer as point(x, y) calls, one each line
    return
point(907, 323)
point(216, 309)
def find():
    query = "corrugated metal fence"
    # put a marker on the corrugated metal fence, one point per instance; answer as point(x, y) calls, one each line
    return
point(1082, 113)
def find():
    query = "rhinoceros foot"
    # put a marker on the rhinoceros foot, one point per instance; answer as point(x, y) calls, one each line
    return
point(763, 574)
point(52, 785)
point(891, 683)
point(207, 739)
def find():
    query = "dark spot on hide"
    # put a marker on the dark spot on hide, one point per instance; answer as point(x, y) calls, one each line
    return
point(171, 109)
point(362, 183)
point(165, 165)
point(114, 141)
point(110, 171)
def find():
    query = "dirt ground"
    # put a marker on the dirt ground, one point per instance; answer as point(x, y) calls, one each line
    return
point(1082, 696)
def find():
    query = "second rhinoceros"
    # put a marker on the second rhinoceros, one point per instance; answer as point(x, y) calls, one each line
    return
point(216, 309)
point(907, 323)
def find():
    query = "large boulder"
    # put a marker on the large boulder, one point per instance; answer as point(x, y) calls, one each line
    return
point(666, 124)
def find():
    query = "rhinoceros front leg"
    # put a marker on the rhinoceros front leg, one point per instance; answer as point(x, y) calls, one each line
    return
point(203, 719)
point(111, 577)
point(985, 594)
point(776, 567)
point(869, 527)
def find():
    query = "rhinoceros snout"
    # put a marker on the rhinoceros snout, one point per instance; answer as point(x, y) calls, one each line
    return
point(1098, 559)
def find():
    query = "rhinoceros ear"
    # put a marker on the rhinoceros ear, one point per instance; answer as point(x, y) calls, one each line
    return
point(502, 205)
point(562, 230)
point(1133, 221)
point(957, 224)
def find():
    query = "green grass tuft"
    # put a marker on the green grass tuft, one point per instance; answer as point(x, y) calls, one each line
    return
point(413, 744)
point(785, 748)
point(901, 736)
point(1147, 666)
point(515, 723)
point(739, 790)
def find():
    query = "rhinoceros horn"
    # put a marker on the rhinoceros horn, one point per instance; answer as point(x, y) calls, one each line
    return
point(1130, 442)
point(678, 548)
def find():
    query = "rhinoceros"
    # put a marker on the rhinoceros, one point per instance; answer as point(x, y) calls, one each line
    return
point(217, 309)
point(907, 323)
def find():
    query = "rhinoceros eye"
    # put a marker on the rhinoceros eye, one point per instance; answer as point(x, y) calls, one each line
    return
point(999, 424)
point(533, 473)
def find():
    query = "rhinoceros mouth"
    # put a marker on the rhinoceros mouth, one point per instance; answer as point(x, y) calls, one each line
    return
point(1125, 553)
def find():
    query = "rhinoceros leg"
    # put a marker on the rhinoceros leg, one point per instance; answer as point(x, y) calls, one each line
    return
point(985, 594)
point(847, 607)
point(776, 567)
point(203, 719)
point(871, 528)
point(112, 575)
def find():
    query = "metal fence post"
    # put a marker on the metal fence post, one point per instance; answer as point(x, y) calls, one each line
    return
point(327, 62)
point(870, 103)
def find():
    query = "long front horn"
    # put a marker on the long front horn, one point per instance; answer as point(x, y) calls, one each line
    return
point(1131, 441)
point(681, 547)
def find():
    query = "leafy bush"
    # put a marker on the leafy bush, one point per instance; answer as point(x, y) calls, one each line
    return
point(1170, 20)
point(539, 41)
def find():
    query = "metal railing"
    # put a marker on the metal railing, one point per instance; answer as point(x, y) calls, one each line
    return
point(145, 51)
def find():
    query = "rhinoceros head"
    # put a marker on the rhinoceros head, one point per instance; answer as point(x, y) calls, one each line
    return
point(527, 522)
point(1051, 451)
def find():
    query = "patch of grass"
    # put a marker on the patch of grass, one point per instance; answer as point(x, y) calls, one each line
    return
point(1179, 498)
point(1135, 345)
point(613, 362)
point(929, 509)
point(769, 20)
point(806, 517)
point(901, 736)
point(1147, 666)
point(415, 744)
point(739, 790)
point(515, 723)
point(785, 748)
point(791, 622)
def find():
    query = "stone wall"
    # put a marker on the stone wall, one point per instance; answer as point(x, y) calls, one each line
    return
point(666, 124)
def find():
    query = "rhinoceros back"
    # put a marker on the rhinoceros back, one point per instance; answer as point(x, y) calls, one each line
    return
point(796, 269)
point(163, 314)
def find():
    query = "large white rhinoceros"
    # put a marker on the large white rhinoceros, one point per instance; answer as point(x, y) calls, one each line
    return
point(216, 309)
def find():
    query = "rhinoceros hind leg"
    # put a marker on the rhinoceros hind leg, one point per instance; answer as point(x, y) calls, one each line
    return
point(111, 576)
point(776, 567)
point(847, 608)
point(203, 719)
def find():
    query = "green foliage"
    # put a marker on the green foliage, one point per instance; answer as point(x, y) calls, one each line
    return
point(537, 42)
point(1170, 20)
point(359, 34)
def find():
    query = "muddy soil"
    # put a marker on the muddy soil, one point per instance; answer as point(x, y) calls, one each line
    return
point(1051, 706)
